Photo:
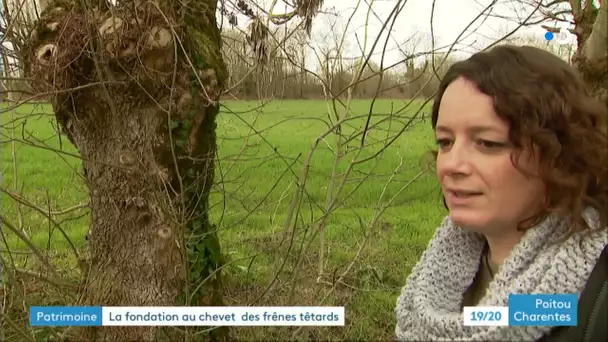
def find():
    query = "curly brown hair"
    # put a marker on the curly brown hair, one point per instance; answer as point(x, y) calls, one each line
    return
point(548, 107)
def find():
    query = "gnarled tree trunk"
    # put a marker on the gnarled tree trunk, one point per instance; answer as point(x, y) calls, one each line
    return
point(591, 57)
point(137, 87)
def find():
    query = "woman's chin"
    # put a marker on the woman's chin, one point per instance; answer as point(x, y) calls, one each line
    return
point(468, 221)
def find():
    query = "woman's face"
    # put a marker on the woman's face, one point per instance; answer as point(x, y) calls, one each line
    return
point(483, 190)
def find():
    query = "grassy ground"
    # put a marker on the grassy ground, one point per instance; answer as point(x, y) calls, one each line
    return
point(381, 222)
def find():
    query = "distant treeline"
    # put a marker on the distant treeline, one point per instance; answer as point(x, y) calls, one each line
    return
point(284, 75)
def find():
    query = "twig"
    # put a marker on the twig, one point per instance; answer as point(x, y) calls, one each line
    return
point(51, 220)
point(27, 241)
point(57, 283)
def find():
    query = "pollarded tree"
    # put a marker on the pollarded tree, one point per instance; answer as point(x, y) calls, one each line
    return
point(591, 57)
point(590, 20)
point(135, 87)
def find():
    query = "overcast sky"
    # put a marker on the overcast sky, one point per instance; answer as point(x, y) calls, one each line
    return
point(451, 18)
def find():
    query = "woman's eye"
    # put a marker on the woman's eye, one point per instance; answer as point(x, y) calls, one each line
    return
point(490, 144)
point(443, 142)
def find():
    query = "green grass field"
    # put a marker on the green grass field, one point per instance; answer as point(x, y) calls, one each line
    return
point(262, 152)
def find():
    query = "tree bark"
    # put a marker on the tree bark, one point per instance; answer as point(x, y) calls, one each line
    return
point(591, 57)
point(137, 94)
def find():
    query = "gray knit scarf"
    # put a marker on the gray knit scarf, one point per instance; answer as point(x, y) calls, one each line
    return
point(429, 307)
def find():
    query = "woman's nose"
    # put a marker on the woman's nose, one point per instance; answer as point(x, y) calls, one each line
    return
point(456, 160)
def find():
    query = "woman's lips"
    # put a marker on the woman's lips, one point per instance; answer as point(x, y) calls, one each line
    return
point(462, 197)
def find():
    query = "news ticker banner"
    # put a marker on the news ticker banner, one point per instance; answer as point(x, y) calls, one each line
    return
point(523, 310)
point(186, 316)
point(526, 310)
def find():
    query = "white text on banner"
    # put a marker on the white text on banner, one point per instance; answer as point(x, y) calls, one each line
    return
point(223, 316)
point(486, 315)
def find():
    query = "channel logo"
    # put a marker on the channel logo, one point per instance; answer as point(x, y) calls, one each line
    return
point(562, 37)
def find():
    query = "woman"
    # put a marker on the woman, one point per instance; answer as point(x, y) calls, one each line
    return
point(523, 169)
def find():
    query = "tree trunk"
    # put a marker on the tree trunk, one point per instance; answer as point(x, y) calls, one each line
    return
point(138, 89)
point(591, 57)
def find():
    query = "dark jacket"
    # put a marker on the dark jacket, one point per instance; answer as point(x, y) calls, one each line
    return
point(592, 309)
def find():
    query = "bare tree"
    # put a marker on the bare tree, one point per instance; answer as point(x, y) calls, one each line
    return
point(135, 86)
point(588, 20)
point(15, 19)
point(591, 58)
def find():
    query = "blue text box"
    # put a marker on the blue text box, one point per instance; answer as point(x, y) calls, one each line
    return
point(65, 316)
point(543, 310)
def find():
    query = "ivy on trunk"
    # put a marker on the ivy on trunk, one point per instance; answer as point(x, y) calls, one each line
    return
point(135, 88)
